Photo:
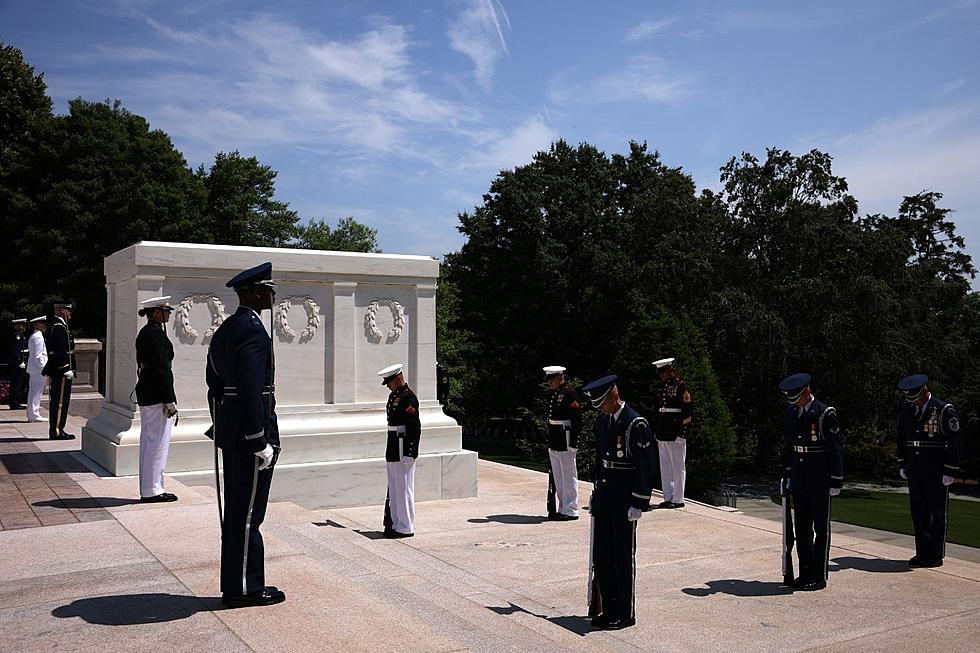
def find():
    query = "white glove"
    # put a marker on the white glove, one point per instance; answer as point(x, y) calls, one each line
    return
point(266, 456)
point(788, 485)
point(407, 460)
point(633, 514)
point(834, 491)
point(902, 473)
point(23, 366)
point(682, 440)
point(947, 480)
point(69, 375)
point(170, 410)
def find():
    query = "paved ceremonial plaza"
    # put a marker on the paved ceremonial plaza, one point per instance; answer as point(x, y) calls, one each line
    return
point(85, 567)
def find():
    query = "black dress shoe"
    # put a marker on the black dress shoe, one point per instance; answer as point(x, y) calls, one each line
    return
point(619, 624)
point(664, 504)
point(915, 561)
point(935, 562)
point(163, 497)
point(63, 436)
point(554, 516)
point(599, 621)
point(265, 596)
point(815, 586)
point(395, 535)
point(676, 505)
point(797, 583)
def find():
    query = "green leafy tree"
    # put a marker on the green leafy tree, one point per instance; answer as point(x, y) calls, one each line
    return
point(25, 119)
point(240, 208)
point(348, 236)
point(109, 181)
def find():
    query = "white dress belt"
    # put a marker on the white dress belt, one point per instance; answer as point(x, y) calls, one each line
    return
point(560, 422)
point(670, 410)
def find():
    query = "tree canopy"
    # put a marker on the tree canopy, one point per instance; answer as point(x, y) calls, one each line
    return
point(606, 263)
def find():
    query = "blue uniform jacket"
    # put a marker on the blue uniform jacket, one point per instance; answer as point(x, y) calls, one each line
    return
point(814, 446)
point(624, 463)
point(933, 443)
point(241, 388)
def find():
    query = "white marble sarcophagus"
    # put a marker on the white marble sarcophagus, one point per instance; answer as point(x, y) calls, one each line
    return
point(339, 318)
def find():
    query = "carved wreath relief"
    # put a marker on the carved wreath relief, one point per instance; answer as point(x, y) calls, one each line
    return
point(182, 321)
point(371, 324)
point(312, 318)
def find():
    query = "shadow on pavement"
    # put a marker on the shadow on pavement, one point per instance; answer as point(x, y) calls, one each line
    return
point(37, 462)
point(575, 624)
point(24, 439)
point(737, 587)
point(873, 565)
point(132, 609)
point(86, 502)
point(509, 519)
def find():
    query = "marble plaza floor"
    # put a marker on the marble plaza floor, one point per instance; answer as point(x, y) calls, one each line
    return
point(84, 567)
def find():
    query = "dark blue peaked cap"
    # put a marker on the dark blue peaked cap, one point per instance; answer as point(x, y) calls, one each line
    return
point(260, 275)
point(599, 387)
point(912, 384)
point(794, 383)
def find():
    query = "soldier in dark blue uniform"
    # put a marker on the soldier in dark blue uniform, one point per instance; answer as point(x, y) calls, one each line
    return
point(624, 479)
point(401, 452)
point(61, 369)
point(814, 472)
point(241, 394)
point(564, 427)
point(929, 448)
point(17, 364)
point(672, 424)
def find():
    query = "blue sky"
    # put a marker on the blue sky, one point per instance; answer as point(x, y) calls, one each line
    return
point(401, 113)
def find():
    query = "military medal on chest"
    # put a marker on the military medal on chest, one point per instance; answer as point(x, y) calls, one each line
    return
point(813, 431)
point(932, 426)
point(619, 446)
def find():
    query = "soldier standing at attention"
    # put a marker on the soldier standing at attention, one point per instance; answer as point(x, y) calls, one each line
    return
point(815, 472)
point(401, 451)
point(929, 449)
point(156, 397)
point(675, 413)
point(624, 461)
point(37, 358)
point(61, 370)
point(17, 363)
point(241, 393)
point(564, 427)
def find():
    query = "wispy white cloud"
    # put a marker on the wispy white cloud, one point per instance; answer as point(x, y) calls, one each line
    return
point(642, 77)
point(647, 28)
point(951, 86)
point(935, 149)
point(478, 32)
point(517, 147)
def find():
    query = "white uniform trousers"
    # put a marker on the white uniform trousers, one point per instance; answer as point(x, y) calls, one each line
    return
point(401, 494)
point(154, 446)
point(35, 389)
point(673, 473)
point(566, 480)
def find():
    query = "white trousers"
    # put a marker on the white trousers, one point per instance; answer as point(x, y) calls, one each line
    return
point(35, 389)
point(672, 471)
point(154, 446)
point(401, 494)
point(566, 480)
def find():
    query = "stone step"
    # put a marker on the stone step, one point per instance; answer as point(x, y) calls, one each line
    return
point(467, 608)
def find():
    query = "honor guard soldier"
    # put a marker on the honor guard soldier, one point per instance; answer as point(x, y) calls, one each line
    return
point(672, 423)
point(17, 364)
point(241, 394)
point(155, 396)
point(929, 449)
point(814, 473)
point(37, 358)
point(401, 451)
point(61, 370)
point(624, 479)
point(564, 427)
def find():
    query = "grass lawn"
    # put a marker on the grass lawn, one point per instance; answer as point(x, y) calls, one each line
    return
point(889, 511)
point(504, 452)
